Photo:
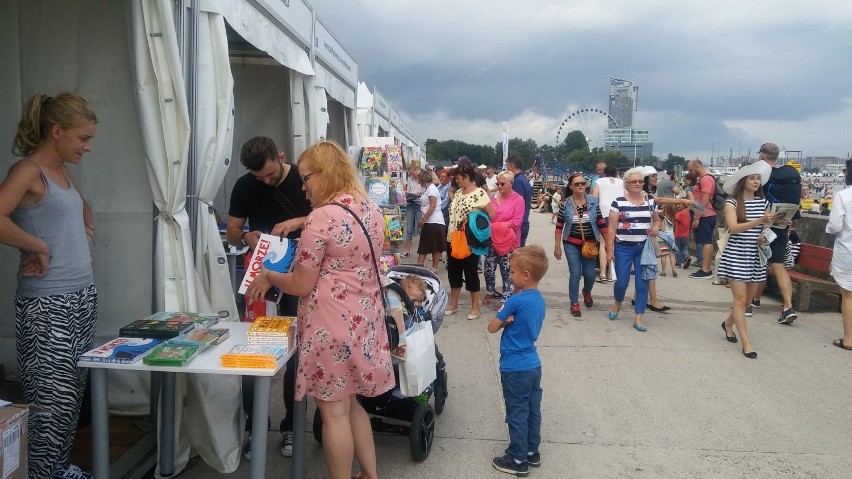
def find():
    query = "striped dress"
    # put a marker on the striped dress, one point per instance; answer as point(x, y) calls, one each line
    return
point(740, 261)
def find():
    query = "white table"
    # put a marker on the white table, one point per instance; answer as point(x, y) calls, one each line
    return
point(207, 362)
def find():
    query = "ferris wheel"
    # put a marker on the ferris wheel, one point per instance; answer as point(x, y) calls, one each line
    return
point(592, 122)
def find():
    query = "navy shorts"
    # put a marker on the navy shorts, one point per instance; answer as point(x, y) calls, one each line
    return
point(779, 245)
point(704, 232)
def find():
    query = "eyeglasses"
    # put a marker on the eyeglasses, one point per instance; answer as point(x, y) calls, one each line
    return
point(502, 183)
point(579, 183)
point(306, 177)
point(635, 181)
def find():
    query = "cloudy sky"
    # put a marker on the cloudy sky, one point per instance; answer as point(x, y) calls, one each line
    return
point(713, 76)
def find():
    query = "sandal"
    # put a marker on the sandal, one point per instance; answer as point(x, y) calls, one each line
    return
point(486, 300)
point(839, 344)
point(601, 279)
point(720, 282)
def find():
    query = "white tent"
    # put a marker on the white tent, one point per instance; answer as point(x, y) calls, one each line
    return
point(172, 108)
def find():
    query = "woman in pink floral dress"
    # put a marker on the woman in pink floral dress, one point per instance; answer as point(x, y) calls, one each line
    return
point(343, 345)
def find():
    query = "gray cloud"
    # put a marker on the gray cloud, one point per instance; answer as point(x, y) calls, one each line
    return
point(719, 72)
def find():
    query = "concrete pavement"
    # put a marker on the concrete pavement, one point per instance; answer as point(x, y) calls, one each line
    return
point(676, 401)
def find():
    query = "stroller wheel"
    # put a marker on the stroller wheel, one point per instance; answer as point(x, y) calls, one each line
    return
point(439, 390)
point(422, 432)
point(317, 427)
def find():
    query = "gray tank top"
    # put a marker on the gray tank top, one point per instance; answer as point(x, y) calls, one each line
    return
point(58, 220)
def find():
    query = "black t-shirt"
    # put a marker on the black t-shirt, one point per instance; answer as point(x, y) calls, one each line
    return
point(784, 186)
point(252, 200)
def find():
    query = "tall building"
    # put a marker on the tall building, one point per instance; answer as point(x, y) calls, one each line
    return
point(623, 101)
point(620, 136)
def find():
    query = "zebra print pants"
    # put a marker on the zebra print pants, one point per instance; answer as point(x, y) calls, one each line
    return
point(51, 333)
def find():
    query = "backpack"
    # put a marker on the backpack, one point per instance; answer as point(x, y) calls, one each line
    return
point(719, 195)
point(478, 232)
point(784, 186)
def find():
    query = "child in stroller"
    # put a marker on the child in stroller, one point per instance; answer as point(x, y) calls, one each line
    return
point(392, 412)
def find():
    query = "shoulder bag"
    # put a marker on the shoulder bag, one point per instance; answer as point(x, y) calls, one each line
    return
point(390, 323)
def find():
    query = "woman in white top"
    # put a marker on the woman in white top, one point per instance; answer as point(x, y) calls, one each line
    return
point(432, 236)
point(607, 188)
point(413, 191)
point(840, 224)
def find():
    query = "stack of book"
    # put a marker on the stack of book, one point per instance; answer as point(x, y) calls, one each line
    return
point(121, 350)
point(167, 325)
point(162, 339)
point(253, 356)
point(182, 349)
point(272, 330)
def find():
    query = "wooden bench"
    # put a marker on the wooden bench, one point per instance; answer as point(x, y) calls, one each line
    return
point(811, 274)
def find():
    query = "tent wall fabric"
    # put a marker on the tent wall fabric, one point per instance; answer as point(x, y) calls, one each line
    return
point(165, 131)
point(258, 30)
point(47, 48)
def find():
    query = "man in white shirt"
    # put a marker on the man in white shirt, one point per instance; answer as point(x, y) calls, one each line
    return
point(491, 181)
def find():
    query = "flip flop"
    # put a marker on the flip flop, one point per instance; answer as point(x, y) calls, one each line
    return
point(839, 344)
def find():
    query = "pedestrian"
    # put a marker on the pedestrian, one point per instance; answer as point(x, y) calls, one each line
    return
point(505, 237)
point(467, 199)
point(579, 222)
point(746, 212)
point(681, 234)
point(343, 348)
point(521, 319)
point(521, 185)
point(607, 188)
point(632, 222)
point(432, 231)
point(555, 200)
point(784, 186)
point(413, 191)
point(46, 218)
point(269, 198)
point(705, 223)
point(840, 224)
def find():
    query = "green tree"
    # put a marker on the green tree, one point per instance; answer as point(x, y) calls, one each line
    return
point(672, 160)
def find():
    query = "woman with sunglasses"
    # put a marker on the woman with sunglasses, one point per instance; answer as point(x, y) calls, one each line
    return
point(632, 221)
point(578, 221)
point(505, 236)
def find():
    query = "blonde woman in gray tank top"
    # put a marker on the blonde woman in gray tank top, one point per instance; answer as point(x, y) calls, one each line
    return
point(44, 216)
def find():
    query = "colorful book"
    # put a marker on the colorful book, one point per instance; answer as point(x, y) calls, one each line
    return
point(200, 320)
point(121, 350)
point(201, 337)
point(274, 254)
point(371, 158)
point(272, 326)
point(171, 355)
point(145, 328)
point(379, 190)
point(393, 227)
point(253, 356)
point(394, 155)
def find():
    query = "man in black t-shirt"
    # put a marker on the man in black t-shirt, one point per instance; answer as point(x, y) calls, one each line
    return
point(270, 198)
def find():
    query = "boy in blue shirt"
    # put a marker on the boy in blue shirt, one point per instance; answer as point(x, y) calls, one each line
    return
point(521, 318)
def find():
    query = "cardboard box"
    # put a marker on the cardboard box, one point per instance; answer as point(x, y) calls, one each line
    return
point(13, 453)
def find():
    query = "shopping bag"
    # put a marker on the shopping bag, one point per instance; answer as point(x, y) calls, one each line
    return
point(459, 249)
point(420, 359)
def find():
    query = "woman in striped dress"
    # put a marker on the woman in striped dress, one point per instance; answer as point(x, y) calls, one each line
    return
point(632, 220)
point(746, 211)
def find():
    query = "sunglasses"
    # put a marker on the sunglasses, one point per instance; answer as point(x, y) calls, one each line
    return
point(635, 181)
point(579, 183)
point(502, 183)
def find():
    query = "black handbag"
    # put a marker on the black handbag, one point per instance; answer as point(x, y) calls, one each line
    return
point(390, 323)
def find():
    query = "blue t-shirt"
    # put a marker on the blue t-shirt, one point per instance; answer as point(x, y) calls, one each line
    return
point(521, 185)
point(517, 344)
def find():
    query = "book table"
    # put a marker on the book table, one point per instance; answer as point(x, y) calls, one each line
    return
point(206, 362)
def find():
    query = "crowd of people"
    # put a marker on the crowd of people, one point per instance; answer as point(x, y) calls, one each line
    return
point(610, 229)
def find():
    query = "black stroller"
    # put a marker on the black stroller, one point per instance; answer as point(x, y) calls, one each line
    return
point(394, 413)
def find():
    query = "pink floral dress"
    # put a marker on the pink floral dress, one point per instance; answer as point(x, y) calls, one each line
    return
point(343, 345)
